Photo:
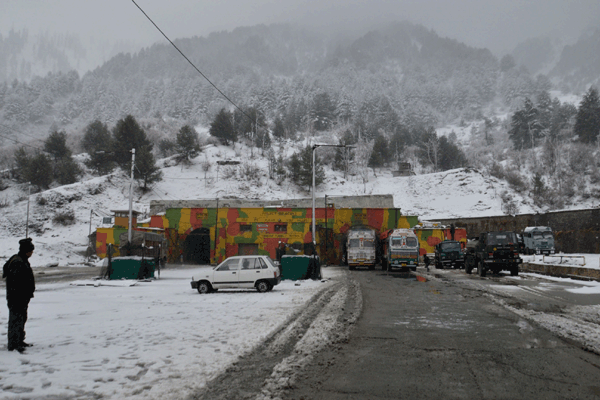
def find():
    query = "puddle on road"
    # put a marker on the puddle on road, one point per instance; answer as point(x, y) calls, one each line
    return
point(405, 275)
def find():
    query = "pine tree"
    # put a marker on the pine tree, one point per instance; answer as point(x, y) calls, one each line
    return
point(22, 161)
point(301, 170)
point(127, 135)
point(525, 126)
point(187, 145)
point(222, 127)
point(451, 156)
point(39, 171)
point(56, 145)
point(380, 153)
point(322, 112)
point(66, 171)
point(539, 189)
point(97, 143)
point(587, 121)
point(278, 128)
point(145, 169)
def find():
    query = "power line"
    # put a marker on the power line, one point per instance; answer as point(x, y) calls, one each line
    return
point(17, 142)
point(20, 132)
point(191, 63)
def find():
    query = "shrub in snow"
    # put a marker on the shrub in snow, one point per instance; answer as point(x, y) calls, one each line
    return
point(64, 218)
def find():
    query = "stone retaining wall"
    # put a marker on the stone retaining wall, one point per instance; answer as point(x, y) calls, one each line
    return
point(576, 231)
point(561, 271)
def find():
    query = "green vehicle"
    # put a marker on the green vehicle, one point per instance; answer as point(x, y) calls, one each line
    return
point(495, 252)
point(449, 254)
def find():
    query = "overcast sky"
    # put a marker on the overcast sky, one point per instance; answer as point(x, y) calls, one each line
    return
point(496, 24)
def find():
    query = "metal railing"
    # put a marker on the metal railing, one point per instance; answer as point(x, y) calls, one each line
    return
point(563, 258)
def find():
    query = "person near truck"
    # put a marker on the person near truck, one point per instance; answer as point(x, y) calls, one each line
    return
point(426, 260)
point(20, 285)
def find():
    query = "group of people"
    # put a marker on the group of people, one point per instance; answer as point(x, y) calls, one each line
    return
point(20, 285)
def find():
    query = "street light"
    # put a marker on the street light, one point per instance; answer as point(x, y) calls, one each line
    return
point(314, 148)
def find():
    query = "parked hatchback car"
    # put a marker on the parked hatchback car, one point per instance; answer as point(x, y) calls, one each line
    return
point(259, 272)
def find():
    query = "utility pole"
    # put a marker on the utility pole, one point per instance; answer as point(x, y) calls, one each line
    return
point(314, 148)
point(27, 220)
point(129, 233)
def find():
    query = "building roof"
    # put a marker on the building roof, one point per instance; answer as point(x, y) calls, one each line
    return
point(135, 213)
point(370, 201)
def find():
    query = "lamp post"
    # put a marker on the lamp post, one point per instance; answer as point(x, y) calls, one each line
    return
point(314, 148)
point(129, 233)
point(27, 221)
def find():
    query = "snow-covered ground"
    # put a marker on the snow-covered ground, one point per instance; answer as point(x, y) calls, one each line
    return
point(154, 340)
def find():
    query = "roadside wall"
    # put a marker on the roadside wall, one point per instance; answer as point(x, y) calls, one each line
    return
point(575, 231)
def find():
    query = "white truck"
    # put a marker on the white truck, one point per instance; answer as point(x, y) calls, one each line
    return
point(538, 240)
point(361, 247)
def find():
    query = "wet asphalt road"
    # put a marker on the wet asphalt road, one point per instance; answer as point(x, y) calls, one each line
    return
point(446, 339)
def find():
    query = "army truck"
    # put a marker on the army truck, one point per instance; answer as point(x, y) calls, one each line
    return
point(538, 240)
point(493, 251)
point(449, 253)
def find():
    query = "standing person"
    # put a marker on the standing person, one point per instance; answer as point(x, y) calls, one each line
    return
point(20, 285)
point(426, 260)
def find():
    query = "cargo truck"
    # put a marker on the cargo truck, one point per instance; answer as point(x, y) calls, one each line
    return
point(400, 249)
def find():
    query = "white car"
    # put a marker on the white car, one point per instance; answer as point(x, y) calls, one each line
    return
point(259, 272)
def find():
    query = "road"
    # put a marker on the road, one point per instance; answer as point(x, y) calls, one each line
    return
point(458, 336)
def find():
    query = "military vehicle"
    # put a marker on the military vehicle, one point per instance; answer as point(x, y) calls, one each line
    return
point(538, 240)
point(495, 252)
point(449, 253)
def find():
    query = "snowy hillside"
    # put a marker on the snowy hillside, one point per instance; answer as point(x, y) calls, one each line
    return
point(454, 193)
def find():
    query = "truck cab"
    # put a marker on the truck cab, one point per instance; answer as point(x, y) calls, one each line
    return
point(449, 253)
point(538, 240)
point(495, 252)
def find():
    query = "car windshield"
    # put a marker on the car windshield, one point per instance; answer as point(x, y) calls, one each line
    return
point(451, 246)
point(501, 238)
point(411, 242)
point(548, 235)
point(354, 243)
point(536, 234)
point(368, 243)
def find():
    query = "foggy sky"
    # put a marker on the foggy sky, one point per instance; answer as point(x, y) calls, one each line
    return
point(496, 24)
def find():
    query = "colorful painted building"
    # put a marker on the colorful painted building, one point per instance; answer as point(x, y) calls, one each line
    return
point(208, 232)
point(431, 234)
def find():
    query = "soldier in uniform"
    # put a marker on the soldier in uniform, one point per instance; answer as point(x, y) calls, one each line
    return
point(20, 285)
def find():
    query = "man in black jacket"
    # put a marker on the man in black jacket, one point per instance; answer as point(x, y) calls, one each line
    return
point(20, 285)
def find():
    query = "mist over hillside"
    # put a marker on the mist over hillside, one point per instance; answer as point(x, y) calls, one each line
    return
point(400, 88)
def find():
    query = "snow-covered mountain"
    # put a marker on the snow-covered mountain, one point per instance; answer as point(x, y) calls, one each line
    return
point(454, 193)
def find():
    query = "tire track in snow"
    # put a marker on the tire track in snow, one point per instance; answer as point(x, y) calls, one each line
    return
point(271, 367)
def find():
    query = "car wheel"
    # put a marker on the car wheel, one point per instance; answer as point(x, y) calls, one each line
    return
point(263, 286)
point(514, 271)
point(352, 267)
point(204, 287)
point(372, 267)
point(468, 269)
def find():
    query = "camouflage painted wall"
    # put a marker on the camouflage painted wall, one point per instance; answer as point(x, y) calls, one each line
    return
point(266, 227)
point(104, 236)
point(430, 237)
